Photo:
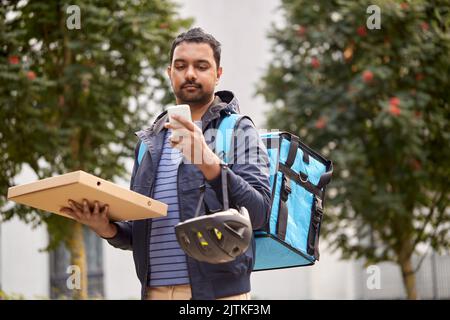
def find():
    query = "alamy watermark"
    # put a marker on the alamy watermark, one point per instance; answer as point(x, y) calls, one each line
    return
point(373, 281)
point(73, 282)
point(374, 20)
point(73, 21)
point(243, 146)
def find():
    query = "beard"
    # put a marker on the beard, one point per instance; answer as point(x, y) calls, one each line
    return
point(197, 96)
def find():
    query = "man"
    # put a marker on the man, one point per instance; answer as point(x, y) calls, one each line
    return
point(170, 173)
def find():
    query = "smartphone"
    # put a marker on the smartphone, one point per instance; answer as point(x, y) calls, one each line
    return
point(181, 109)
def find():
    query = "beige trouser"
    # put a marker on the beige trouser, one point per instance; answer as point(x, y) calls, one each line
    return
point(183, 292)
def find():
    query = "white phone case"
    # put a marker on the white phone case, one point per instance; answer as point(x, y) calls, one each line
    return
point(182, 109)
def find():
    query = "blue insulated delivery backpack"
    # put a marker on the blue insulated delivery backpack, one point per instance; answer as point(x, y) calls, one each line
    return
point(298, 177)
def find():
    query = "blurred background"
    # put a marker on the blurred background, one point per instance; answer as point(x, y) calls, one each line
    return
point(364, 82)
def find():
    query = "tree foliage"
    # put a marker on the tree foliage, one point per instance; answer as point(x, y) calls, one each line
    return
point(65, 94)
point(377, 103)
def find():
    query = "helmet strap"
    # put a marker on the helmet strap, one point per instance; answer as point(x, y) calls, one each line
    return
point(223, 167)
point(200, 200)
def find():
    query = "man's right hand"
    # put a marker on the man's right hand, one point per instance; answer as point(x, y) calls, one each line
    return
point(95, 218)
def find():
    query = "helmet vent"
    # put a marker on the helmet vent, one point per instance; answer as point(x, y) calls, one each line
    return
point(235, 229)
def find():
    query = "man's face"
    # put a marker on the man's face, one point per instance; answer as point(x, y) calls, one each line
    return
point(193, 73)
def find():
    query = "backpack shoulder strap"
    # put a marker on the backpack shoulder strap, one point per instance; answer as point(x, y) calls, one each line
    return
point(225, 134)
point(142, 150)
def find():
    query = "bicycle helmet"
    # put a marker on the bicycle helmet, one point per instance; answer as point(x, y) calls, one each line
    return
point(216, 238)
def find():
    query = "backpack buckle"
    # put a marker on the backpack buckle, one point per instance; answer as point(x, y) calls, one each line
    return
point(319, 209)
point(286, 188)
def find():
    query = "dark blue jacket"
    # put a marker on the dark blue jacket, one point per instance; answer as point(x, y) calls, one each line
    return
point(248, 185)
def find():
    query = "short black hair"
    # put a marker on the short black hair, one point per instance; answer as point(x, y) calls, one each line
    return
point(197, 35)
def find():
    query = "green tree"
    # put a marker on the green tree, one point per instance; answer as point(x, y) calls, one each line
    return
point(376, 101)
point(65, 93)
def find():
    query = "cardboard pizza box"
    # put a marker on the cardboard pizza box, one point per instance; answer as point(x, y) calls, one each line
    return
point(51, 194)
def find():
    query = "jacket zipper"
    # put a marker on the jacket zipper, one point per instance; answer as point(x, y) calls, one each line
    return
point(147, 248)
point(182, 219)
point(147, 234)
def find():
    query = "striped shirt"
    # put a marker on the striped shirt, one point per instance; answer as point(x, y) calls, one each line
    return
point(168, 265)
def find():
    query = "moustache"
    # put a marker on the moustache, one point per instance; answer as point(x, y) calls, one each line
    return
point(190, 84)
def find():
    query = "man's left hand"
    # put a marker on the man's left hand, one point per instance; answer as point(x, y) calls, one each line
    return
point(188, 138)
